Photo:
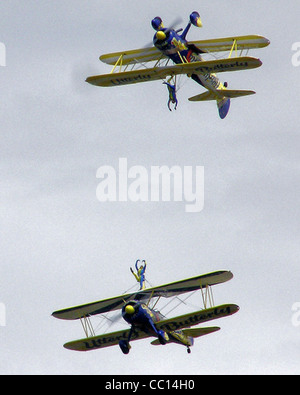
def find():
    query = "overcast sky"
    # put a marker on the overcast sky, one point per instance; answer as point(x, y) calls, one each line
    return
point(61, 247)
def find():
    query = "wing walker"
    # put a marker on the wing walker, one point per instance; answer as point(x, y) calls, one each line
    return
point(139, 310)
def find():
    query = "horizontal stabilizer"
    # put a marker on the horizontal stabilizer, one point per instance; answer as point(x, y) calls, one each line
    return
point(221, 93)
point(235, 93)
point(197, 332)
point(204, 96)
point(193, 332)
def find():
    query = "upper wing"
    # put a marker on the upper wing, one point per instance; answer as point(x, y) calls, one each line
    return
point(167, 290)
point(226, 43)
point(99, 307)
point(106, 340)
point(157, 73)
point(190, 284)
point(142, 55)
point(198, 317)
point(213, 45)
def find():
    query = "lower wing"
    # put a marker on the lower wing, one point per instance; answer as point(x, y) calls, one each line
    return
point(198, 317)
point(157, 73)
point(106, 340)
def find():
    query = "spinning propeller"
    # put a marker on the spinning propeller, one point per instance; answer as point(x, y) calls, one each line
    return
point(162, 32)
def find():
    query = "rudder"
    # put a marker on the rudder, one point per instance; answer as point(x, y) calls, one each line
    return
point(223, 107)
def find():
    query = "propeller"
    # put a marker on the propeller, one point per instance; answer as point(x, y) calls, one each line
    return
point(162, 32)
point(158, 24)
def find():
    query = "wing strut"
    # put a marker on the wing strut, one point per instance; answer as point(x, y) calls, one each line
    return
point(118, 62)
point(207, 296)
point(234, 47)
point(87, 326)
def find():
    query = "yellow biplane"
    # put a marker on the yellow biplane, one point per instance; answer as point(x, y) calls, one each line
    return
point(188, 58)
point(139, 310)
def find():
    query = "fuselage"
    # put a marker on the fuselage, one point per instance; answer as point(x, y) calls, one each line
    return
point(139, 315)
point(176, 47)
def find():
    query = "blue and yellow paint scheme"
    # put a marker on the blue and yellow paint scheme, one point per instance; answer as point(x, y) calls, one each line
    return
point(141, 316)
point(176, 47)
point(171, 44)
point(147, 322)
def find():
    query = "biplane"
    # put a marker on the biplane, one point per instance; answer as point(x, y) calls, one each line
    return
point(138, 310)
point(188, 58)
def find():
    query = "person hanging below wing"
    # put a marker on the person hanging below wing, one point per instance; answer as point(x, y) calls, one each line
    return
point(140, 273)
point(172, 94)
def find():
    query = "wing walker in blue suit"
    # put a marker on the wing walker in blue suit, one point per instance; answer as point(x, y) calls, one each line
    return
point(140, 273)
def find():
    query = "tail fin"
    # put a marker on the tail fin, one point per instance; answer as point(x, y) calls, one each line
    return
point(223, 102)
point(223, 107)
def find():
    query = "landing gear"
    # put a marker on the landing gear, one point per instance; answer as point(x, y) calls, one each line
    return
point(124, 346)
point(188, 350)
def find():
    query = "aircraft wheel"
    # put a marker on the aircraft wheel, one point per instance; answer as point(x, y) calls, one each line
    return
point(125, 347)
point(188, 350)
